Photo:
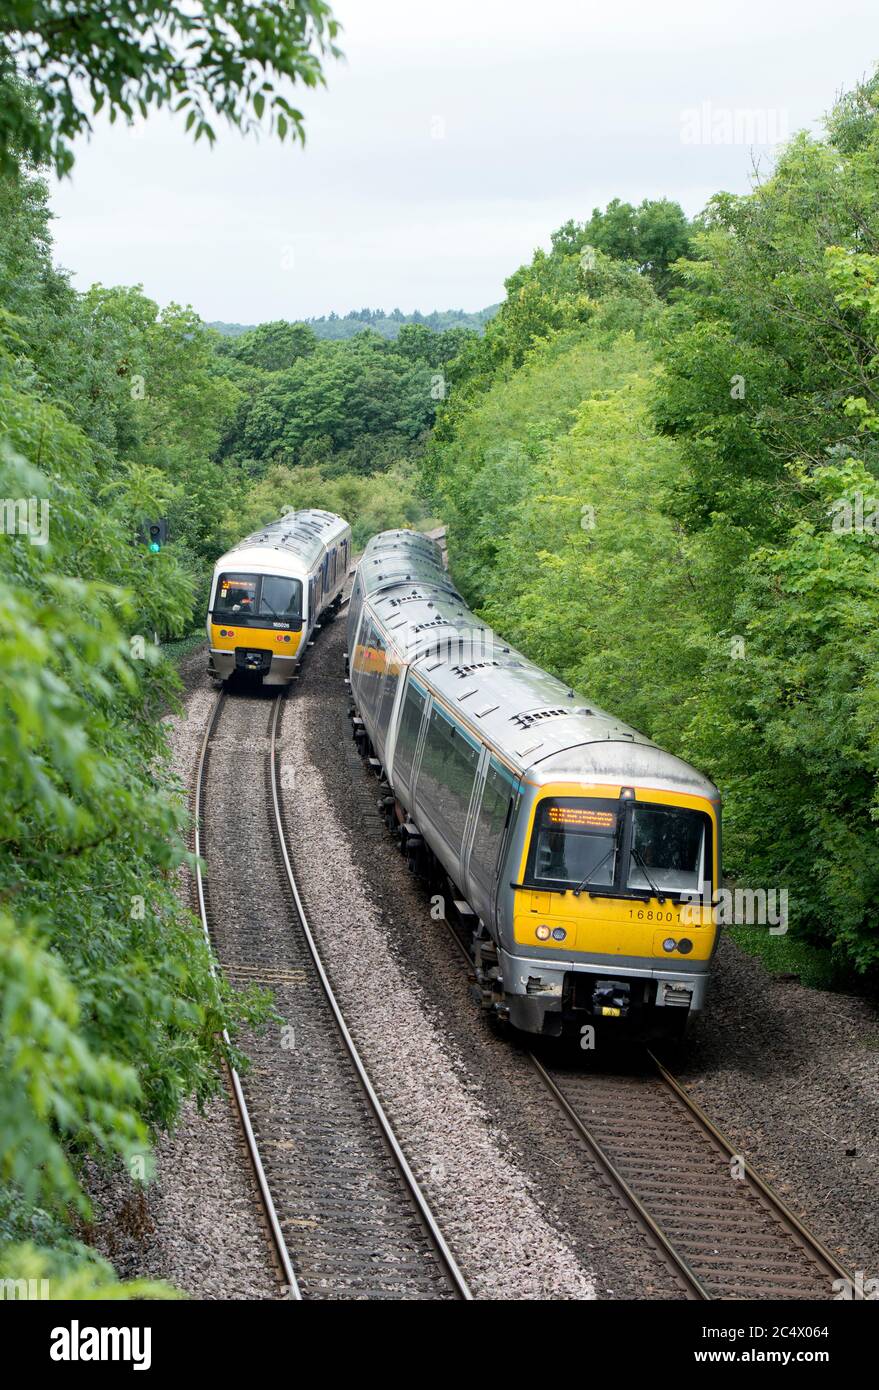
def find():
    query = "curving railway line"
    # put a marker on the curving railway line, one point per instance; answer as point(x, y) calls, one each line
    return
point(344, 1213)
point(720, 1230)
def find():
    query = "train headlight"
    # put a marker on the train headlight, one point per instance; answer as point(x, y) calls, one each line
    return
point(685, 946)
point(669, 944)
point(543, 933)
point(558, 933)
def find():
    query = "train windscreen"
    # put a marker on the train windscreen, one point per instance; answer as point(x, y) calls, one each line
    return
point(619, 846)
point(574, 840)
point(246, 597)
point(667, 849)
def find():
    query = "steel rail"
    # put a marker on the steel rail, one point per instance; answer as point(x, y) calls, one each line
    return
point(695, 1289)
point(653, 1231)
point(810, 1243)
point(279, 1245)
point(428, 1220)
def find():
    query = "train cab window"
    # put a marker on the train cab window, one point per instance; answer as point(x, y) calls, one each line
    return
point(574, 839)
point(253, 597)
point(280, 597)
point(667, 849)
point(236, 593)
point(626, 847)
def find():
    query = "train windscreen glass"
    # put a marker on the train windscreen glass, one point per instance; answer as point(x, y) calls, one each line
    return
point(280, 597)
point(624, 846)
point(236, 593)
point(574, 841)
point(248, 596)
point(667, 849)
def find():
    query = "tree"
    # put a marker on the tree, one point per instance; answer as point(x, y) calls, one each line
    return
point(344, 392)
point(733, 560)
point(653, 236)
point(274, 346)
point(771, 392)
point(226, 58)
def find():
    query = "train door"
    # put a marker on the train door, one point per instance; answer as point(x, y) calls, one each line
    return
point(313, 602)
point(491, 815)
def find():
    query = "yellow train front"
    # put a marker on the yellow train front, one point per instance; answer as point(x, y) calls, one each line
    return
point(268, 593)
point(604, 916)
point(580, 855)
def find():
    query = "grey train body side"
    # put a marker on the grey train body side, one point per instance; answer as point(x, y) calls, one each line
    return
point(519, 725)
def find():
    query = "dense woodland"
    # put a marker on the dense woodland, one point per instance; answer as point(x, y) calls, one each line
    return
point(334, 326)
point(658, 467)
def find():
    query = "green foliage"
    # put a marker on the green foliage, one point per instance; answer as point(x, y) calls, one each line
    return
point(344, 399)
point(721, 600)
point(227, 58)
point(652, 236)
point(378, 502)
point(109, 1014)
point(485, 454)
point(272, 346)
point(54, 1089)
point(339, 326)
point(25, 1267)
point(608, 565)
point(791, 730)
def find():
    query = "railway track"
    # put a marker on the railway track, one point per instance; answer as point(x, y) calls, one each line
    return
point(717, 1226)
point(344, 1213)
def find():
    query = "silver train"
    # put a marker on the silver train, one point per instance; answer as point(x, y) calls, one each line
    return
point(581, 856)
point(268, 593)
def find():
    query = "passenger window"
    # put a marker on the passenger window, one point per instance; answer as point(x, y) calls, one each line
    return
point(409, 728)
point(446, 775)
point(388, 693)
point(369, 661)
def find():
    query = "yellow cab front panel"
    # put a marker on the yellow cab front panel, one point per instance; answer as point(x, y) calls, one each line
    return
point(271, 654)
point(607, 926)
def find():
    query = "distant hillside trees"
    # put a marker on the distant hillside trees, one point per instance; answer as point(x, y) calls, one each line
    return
point(339, 326)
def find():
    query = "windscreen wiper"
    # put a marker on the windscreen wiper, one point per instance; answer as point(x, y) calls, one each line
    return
point(587, 881)
point(640, 861)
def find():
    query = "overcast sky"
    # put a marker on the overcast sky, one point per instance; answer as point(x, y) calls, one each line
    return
point(451, 140)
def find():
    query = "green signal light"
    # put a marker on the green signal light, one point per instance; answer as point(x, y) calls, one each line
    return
point(155, 547)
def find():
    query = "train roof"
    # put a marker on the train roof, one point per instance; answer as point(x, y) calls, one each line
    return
point(300, 536)
point(536, 722)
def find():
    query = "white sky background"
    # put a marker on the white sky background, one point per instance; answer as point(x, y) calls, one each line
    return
point(542, 111)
